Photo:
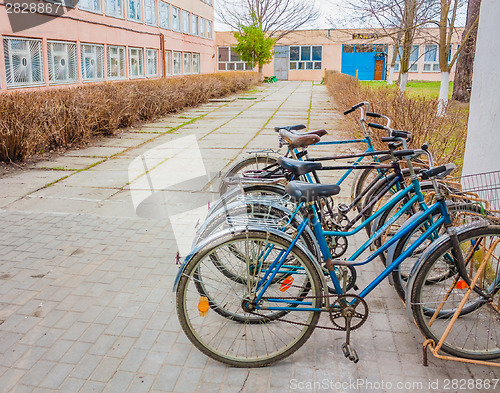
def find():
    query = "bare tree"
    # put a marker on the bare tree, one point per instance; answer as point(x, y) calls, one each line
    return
point(463, 71)
point(276, 18)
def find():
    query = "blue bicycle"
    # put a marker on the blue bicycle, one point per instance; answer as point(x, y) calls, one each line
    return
point(274, 306)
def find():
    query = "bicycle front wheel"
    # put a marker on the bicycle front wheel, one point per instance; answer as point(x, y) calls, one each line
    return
point(476, 332)
point(229, 330)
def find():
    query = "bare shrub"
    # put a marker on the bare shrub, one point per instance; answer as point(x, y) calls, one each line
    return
point(446, 134)
point(31, 121)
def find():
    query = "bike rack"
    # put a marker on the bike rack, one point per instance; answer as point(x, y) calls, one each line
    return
point(434, 348)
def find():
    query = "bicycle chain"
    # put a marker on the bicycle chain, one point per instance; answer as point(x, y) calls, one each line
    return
point(301, 323)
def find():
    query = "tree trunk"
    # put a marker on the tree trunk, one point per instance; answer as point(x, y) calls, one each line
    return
point(390, 77)
point(403, 81)
point(261, 72)
point(443, 92)
point(465, 62)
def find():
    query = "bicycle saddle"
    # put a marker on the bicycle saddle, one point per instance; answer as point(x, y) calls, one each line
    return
point(309, 192)
point(299, 140)
point(290, 128)
point(319, 133)
point(297, 167)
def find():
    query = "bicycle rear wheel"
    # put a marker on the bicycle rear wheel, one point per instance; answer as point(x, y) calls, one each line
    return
point(255, 162)
point(476, 332)
point(231, 333)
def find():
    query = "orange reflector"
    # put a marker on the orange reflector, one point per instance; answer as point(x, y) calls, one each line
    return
point(203, 306)
point(286, 283)
point(461, 284)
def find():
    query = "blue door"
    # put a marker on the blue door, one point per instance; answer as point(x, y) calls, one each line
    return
point(359, 60)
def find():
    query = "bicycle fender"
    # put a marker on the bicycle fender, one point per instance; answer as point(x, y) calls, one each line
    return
point(428, 251)
point(208, 243)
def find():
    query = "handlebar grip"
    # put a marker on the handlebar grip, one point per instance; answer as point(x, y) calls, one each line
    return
point(433, 172)
point(401, 134)
point(354, 107)
point(375, 125)
point(373, 114)
point(402, 153)
point(388, 139)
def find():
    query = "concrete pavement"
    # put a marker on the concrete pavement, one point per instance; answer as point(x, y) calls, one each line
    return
point(88, 258)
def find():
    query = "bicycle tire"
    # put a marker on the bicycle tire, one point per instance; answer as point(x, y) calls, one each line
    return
point(252, 162)
point(475, 333)
point(241, 343)
point(402, 272)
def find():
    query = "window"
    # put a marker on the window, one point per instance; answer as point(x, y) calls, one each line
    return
point(176, 19)
point(209, 29)
point(62, 62)
point(228, 60)
point(186, 22)
point(431, 63)
point(116, 62)
point(187, 63)
point(23, 61)
point(195, 30)
point(413, 63)
point(203, 27)
point(92, 62)
point(135, 62)
point(177, 63)
point(114, 8)
point(151, 62)
point(196, 63)
point(90, 5)
point(150, 12)
point(164, 11)
point(168, 62)
point(306, 57)
point(134, 10)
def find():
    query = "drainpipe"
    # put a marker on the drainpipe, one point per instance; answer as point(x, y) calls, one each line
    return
point(162, 51)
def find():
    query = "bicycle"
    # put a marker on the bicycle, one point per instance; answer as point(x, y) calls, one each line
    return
point(258, 305)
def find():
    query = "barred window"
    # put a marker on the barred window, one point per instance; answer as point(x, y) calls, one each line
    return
point(23, 61)
point(62, 62)
point(92, 62)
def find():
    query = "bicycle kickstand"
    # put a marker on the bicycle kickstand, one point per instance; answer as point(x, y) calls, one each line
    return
point(348, 351)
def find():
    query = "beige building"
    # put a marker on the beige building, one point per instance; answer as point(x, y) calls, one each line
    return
point(306, 54)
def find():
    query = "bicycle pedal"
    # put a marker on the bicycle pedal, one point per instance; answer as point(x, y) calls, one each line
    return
point(345, 350)
point(355, 287)
point(354, 356)
point(350, 353)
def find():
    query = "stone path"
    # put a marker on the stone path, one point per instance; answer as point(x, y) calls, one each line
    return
point(87, 262)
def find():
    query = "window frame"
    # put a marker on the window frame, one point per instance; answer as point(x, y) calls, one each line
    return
point(155, 53)
point(210, 33)
point(176, 17)
point(167, 6)
point(189, 63)
point(414, 64)
point(94, 11)
point(140, 19)
point(141, 62)
point(179, 63)
point(147, 4)
point(230, 64)
point(106, 8)
point(198, 70)
point(85, 78)
point(431, 63)
point(109, 57)
point(296, 61)
point(193, 19)
point(168, 62)
point(50, 63)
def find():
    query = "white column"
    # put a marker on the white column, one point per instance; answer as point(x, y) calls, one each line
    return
point(482, 151)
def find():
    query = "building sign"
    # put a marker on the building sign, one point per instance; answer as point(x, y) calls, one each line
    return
point(364, 36)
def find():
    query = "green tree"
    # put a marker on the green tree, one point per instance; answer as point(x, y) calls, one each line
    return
point(254, 46)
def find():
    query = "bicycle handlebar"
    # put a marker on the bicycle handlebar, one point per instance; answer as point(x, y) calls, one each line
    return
point(373, 114)
point(354, 107)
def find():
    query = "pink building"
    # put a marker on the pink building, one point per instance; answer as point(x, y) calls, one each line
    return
point(101, 40)
point(306, 54)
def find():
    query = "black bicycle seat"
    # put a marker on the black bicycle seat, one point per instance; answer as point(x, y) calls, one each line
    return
point(309, 192)
point(297, 167)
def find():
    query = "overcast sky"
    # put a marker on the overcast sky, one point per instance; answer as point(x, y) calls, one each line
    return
point(331, 10)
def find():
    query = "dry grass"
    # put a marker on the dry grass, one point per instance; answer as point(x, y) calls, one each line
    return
point(34, 121)
point(445, 134)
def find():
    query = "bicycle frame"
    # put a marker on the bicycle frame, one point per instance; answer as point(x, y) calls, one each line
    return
point(423, 217)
